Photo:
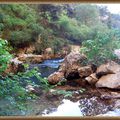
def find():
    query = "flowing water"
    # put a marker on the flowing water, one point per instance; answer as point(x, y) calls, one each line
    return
point(48, 66)
point(58, 106)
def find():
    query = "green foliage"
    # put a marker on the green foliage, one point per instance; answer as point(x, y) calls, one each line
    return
point(70, 26)
point(67, 94)
point(14, 85)
point(58, 43)
point(19, 23)
point(82, 90)
point(63, 92)
point(4, 55)
point(73, 29)
point(13, 89)
point(101, 48)
point(87, 14)
point(44, 41)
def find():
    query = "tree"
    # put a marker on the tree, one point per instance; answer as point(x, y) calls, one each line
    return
point(87, 14)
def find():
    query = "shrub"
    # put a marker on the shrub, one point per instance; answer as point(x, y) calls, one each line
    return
point(5, 56)
point(101, 48)
point(19, 24)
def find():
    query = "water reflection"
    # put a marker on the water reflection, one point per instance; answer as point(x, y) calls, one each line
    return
point(116, 112)
point(68, 108)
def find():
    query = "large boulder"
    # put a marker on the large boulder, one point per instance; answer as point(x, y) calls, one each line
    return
point(55, 78)
point(108, 75)
point(68, 69)
point(109, 81)
point(71, 63)
point(109, 68)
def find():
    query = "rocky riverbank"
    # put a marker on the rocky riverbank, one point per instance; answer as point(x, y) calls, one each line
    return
point(101, 81)
point(105, 75)
point(80, 83)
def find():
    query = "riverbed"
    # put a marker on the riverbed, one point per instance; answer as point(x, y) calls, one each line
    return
point(80, 104)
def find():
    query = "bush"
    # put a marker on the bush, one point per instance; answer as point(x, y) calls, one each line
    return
point(12, 86)
point(101, 48)
point(5, 56)
point(13, 89)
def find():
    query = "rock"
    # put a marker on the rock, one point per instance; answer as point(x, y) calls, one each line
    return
point(31, 58)
point(85, 71)
point(109, 81)
point(26, 50)
point(108, 75)
point(35, 90)
point(109, 68)
point(68, 69)
point(30, 49)
point(72, 75)
point(16, 61)
point(91, 79)
point(29, 88)
point(55, 77)
point(48, 56)
point(71, 63)
point(74, 58)
point(15, 66)
point(52, 90)
point(11, 68)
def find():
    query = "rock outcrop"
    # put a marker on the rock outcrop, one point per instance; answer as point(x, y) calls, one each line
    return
point(15, 66)
point(26, 50)
point(30, 58)
point(69, 68)
point(106, 75)
point(71, 63)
